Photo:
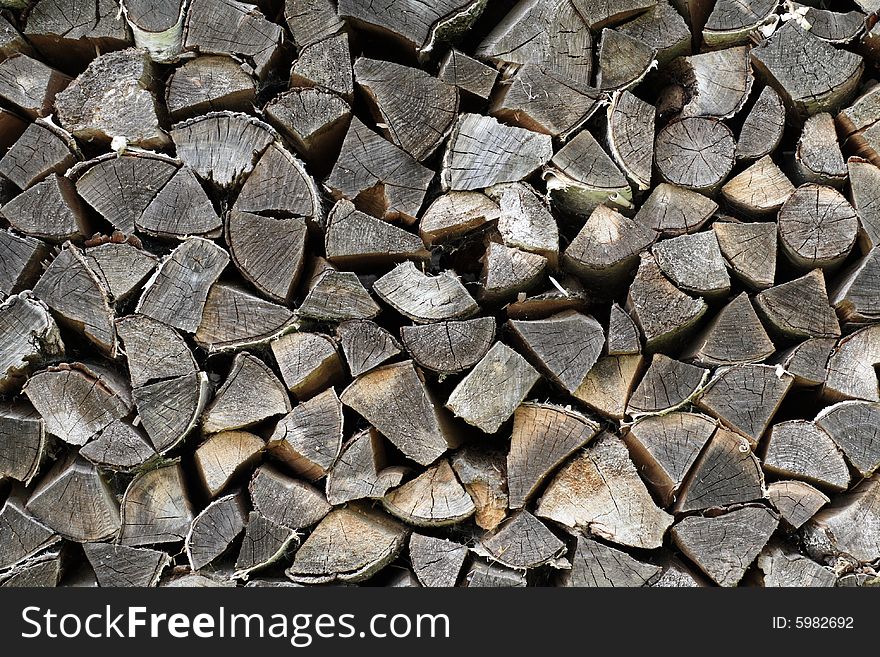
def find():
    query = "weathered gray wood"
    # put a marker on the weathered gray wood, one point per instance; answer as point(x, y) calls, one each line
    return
point(696, 153)
point(631, 137)
point(366, 345)
point(225, 456)
point(486, 575)
point(280, 186)
point(848, 527)
point(309, 438)
point(120, 447)
point(718, 83)
point(623, 335)
point(361, 470)
point(784, 567)
point(353, 239)
point(609, 384)
point(156, 26)
point(436, 562)
point(155, 508)
point(623, 60)
point(807, 361)
point(41, 150)
point(508, 272)
point(454, 214)
point(662, 28)
point(309, 362)
point(22, 534)
point(118, 566)
point(731, 22)
point(672, 210)
point(858, 125)
point(214, 529)
point(311, 20)
point(735, 335)
point(153, 350)
point(325, 64)
point(424, 298)
point(451, 346)
point(831, 26)
point(854, 428)
point(559, 294)
point(50, 210)
point(286, 501)
point(524, 220)
point(799, 308)
point(483, 473)
point(29, 85)
point(264, 543)
point(863, 180)
point(523, 542)
point(22, 263)
point(855, 293)
point(817, 227)
point(667, 385)
point(433, 499)
point(207, 84)
point(120, 264)
point(235, 319)
point(595, 564)
point(73, 32)
point(170, 408)
point(796, 501)
point(762, 129)
point(750, 250)
point(600, 492)
point(818, 158)
point(469, 75)
point(694, 264)
point(799, 449)
point(43, 570)
point(28, 337)
point(337, 296)
point(22, 441)
point(180, 209)
point(851, 366)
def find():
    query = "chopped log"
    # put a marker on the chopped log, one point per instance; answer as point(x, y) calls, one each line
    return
point(796, 501)
point(745, 397)
point(863, 180)
point(482, 152)
point(662, 28)
point(672, 210)
point(395, 400)
point(170, 408)
point(552, 35)
point(120, 447)
point(667, 385)
point(469, 75)
point(42, 149)
point(483, 474)
point(662, 311)
point(155, 508)
point(807, 361)
point(532, 99)
point(280, 185)
point(372, 539)
point(353, 239)
point(454, 214)
point(760, 190)
point(214, 529)
point(366, 345)
point(493, 389)
point(286, 501)
point(732, 22)
point(423, 298)
point(361, 471)
point(851, 373)
point(557, 296)
point(799, 449)
point(609, 385)
point(524, 221)
point(451, 346)
point(222, 147)
point(750, 250)
point(784, 567)
point(718, 83)
point(233, 408)
point(508, 272)
point(855, 293)
point(208, 84)
point(623, 334)
point(665, 447)
point(799, 308)
point(437, 562)
point(848, 527)
point(818, 158)
point(631, 137)
point(735, 335)
point(854, 428)
point(433, 499)
point(72, 33)
point(326, 64)
point(309, 438)
point(309, 362)
point(119, 566)
point(30, 86)
point(43, 570)
point(600, 493)
point(11, 40)
point(696, 153)
point(392, 187)
point(817, 227)
point(121, 186)
point(22, 261)
point(77, 401)
point(235, 319)
point(120, 266)
point(598, 565)
point(50, 210)
point(762, 129)
point(22, 441)
point(835, 78)
point(523, 542)
point(483, 575)
point(74, 501)
point(584, 176)
point(311, 20)
point(858, 125)
point(157, 27)
point(543, 436)
point(183, 577)
point(834, 27)
point(338, 296)
point(221, 27)
point(623, 61)
point(224, 457)
point(264, 543)
point(28, 335)
point(694, 264)
point(153, 350)
point(725, 546)
point(179, 210)
point(23, 536)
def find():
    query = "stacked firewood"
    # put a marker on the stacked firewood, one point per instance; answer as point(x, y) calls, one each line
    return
point(450, 293)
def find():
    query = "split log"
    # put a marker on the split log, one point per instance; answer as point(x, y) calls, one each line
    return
point(732, 22)
point(667, 385)
point(119, 566)
point(559, 295)
point(264, 543)
point(372, 538)
point(831, 26)
point(170, 408)
point(848, 527)
point(836, 76)
point(799, 449)
point(523, 542)
point(74, 501)
point(694, 264)
point(468, 75)
point(717, 83)
point(454, 214)
point(609, 385)
point(623, 334)
point(543, 436)
point(309, 438)
point(11, 40)
point(818, 158)
point(493, 389)
point(235, 319)
point(725, 546)
point(598, 565)
point(631, 137)
point(583, 176)
point(623, 61)
point(155, 508)
point(436, 562)
point(353, 239)
point(224, 457)
point(696, 153)
point(799, 308)
point(233, 408)
point(855, 294)
point(43, 570)
point(673, 211)
point(119, 447)
point(157, 27)
point(49, 210)
point(309, 362)
point(30, 86)
point(750, 250)
point(23, 536)
point(745, 397)
point(207, 84)
point(42, 149)
point(280, 185)
point(451, 346)
point(154, 351)
point(22, 262)
point(783, 567)
point(325, 64)
point(807, 361)
point(600, 493)
point(662, 28)
point(524, 220)
point(796, 501)
point(286, 501)
point(361, 470)
point(179, 210)
point(337, 296)
point(662, 311)
point(532, 99)
point(817, 227)
point(483, 474)
point(433, 499)
point(311, 20)
point(863, 180)
point(75, 32)
point(735, 335)
point(762, 129)
point(508, 272)
point(851, 373)
point(214, 529)
point(22, 441)
point(665, 447)
point(761, 189)
point(854, 428)
point(485, 575)
point(121, 267)
point(28, 335)
point(366, 345)
point(220, 27)
point(858, 125)
point(423, 298)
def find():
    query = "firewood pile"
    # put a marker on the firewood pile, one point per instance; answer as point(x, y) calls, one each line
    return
point(449, 293)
